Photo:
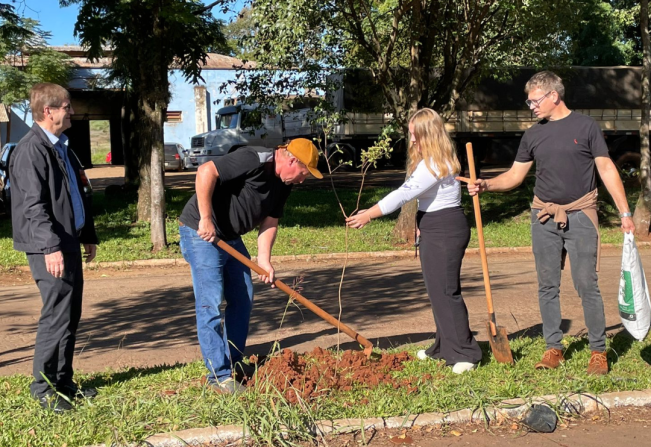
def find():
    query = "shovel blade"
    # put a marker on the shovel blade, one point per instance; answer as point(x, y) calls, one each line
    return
point(500, 344)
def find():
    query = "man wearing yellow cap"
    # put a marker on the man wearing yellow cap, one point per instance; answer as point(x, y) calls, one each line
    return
point(245, 189)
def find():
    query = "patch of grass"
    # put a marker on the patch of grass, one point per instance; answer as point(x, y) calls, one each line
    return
point(100, 141)
point(313, 224)
point(138, 402)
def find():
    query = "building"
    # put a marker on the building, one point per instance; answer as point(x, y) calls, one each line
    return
point(190, 110)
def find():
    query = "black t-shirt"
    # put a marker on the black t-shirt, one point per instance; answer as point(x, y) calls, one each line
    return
point(246, 192)
point(564, 152)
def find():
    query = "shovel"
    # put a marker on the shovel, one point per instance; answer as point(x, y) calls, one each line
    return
point(368, 346)
point(497, 336)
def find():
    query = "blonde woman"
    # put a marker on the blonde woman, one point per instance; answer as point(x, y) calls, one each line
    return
point(444, 232)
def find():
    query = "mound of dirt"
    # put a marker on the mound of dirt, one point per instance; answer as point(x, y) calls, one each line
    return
point(318, 372)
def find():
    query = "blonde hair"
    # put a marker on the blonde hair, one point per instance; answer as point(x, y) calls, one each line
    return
point(44, 95)
point(436, 146)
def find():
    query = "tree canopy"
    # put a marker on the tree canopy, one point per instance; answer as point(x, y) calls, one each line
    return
point(148, 38)
point(423, 53)
point(608, 34)
point(27, 60)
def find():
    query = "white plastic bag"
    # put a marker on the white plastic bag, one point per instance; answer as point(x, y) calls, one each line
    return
point(634, 304)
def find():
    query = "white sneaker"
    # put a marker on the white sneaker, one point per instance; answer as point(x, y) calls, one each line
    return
point(462, 367)
point(422, 355)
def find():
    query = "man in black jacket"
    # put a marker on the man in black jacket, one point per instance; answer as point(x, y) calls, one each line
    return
point(51, 218)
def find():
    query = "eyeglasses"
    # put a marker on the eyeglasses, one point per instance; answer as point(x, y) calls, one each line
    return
point(536, 102)
point(66, 108)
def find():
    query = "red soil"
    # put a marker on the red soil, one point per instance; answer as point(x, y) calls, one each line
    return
point(318, 372)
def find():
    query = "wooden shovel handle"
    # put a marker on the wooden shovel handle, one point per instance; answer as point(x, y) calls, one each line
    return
point(368, 346)
point(482, 245)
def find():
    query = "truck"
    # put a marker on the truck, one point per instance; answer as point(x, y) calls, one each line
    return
point(493, 116)
point(241, 124)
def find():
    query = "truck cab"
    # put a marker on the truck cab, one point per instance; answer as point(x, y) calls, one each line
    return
point(236, 126)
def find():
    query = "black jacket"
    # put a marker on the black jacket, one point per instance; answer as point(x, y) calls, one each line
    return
point(41, 207)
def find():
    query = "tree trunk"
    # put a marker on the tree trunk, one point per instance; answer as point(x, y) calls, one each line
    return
point(144, 131)
point(642, 217)
point(130, 141)
point(158, 236)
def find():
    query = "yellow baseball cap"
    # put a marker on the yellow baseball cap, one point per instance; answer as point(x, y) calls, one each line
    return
point(306, 152)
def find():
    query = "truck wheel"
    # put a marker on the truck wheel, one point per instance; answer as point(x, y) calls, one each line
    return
point(629, 166)
point(345, 156)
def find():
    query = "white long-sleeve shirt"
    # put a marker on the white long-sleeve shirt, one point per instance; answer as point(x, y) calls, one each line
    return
point(433, 193)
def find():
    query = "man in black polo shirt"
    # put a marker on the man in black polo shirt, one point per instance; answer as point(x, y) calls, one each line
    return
point(567, 147)
point(236, 193)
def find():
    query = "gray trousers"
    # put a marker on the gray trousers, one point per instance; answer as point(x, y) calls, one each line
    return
point(579, 238)
point(57, 327)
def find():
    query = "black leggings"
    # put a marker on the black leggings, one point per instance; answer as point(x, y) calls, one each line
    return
point(444, 237)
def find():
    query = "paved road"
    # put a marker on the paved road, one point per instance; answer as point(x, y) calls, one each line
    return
point(145, 316)
point(104, 175)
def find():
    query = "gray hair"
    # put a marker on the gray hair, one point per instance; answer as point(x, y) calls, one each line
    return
point(46, 95)
point(547, 82)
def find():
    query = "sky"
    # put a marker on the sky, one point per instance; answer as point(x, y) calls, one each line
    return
point(61, 21)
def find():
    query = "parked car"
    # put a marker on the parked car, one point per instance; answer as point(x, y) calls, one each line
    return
point(176, 157)
point(5, 181)
point(4, 176)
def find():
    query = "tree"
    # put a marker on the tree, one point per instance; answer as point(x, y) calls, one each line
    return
point(606, 34)
point(642, 216)
point(423, 53)
point(27, 60)
point(148, 38)
point(236, 32)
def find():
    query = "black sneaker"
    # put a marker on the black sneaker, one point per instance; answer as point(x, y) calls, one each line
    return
point(52, 401)
point(75, 392)
point(244, 371)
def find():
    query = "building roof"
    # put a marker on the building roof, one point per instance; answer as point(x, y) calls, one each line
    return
point(214, 61)
point(78, 58)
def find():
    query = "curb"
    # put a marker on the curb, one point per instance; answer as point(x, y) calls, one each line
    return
point(314, 257)
point(509, 409)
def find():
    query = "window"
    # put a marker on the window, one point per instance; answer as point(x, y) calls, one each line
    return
point(226, 121)
point(174, 116)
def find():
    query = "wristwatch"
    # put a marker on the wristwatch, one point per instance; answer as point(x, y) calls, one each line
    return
point(627, 214)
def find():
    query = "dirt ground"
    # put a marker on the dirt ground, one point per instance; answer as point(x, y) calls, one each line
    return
point(145, 316)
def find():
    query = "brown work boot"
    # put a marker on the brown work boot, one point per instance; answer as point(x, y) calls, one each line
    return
point(551, 359)
point(598, 364)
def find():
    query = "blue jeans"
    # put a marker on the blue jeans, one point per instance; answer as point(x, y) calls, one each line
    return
point(579, 238)
point(217, 276)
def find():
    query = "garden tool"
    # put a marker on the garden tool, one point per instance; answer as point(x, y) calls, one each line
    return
point(497, 335)
point(368, 346)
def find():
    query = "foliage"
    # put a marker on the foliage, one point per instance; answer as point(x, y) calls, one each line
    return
point(147, 39)
point(420, 53)
point(28, 61)
point(237, 32)
point(135, 403)
point(167, 34)
point(608, 34)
